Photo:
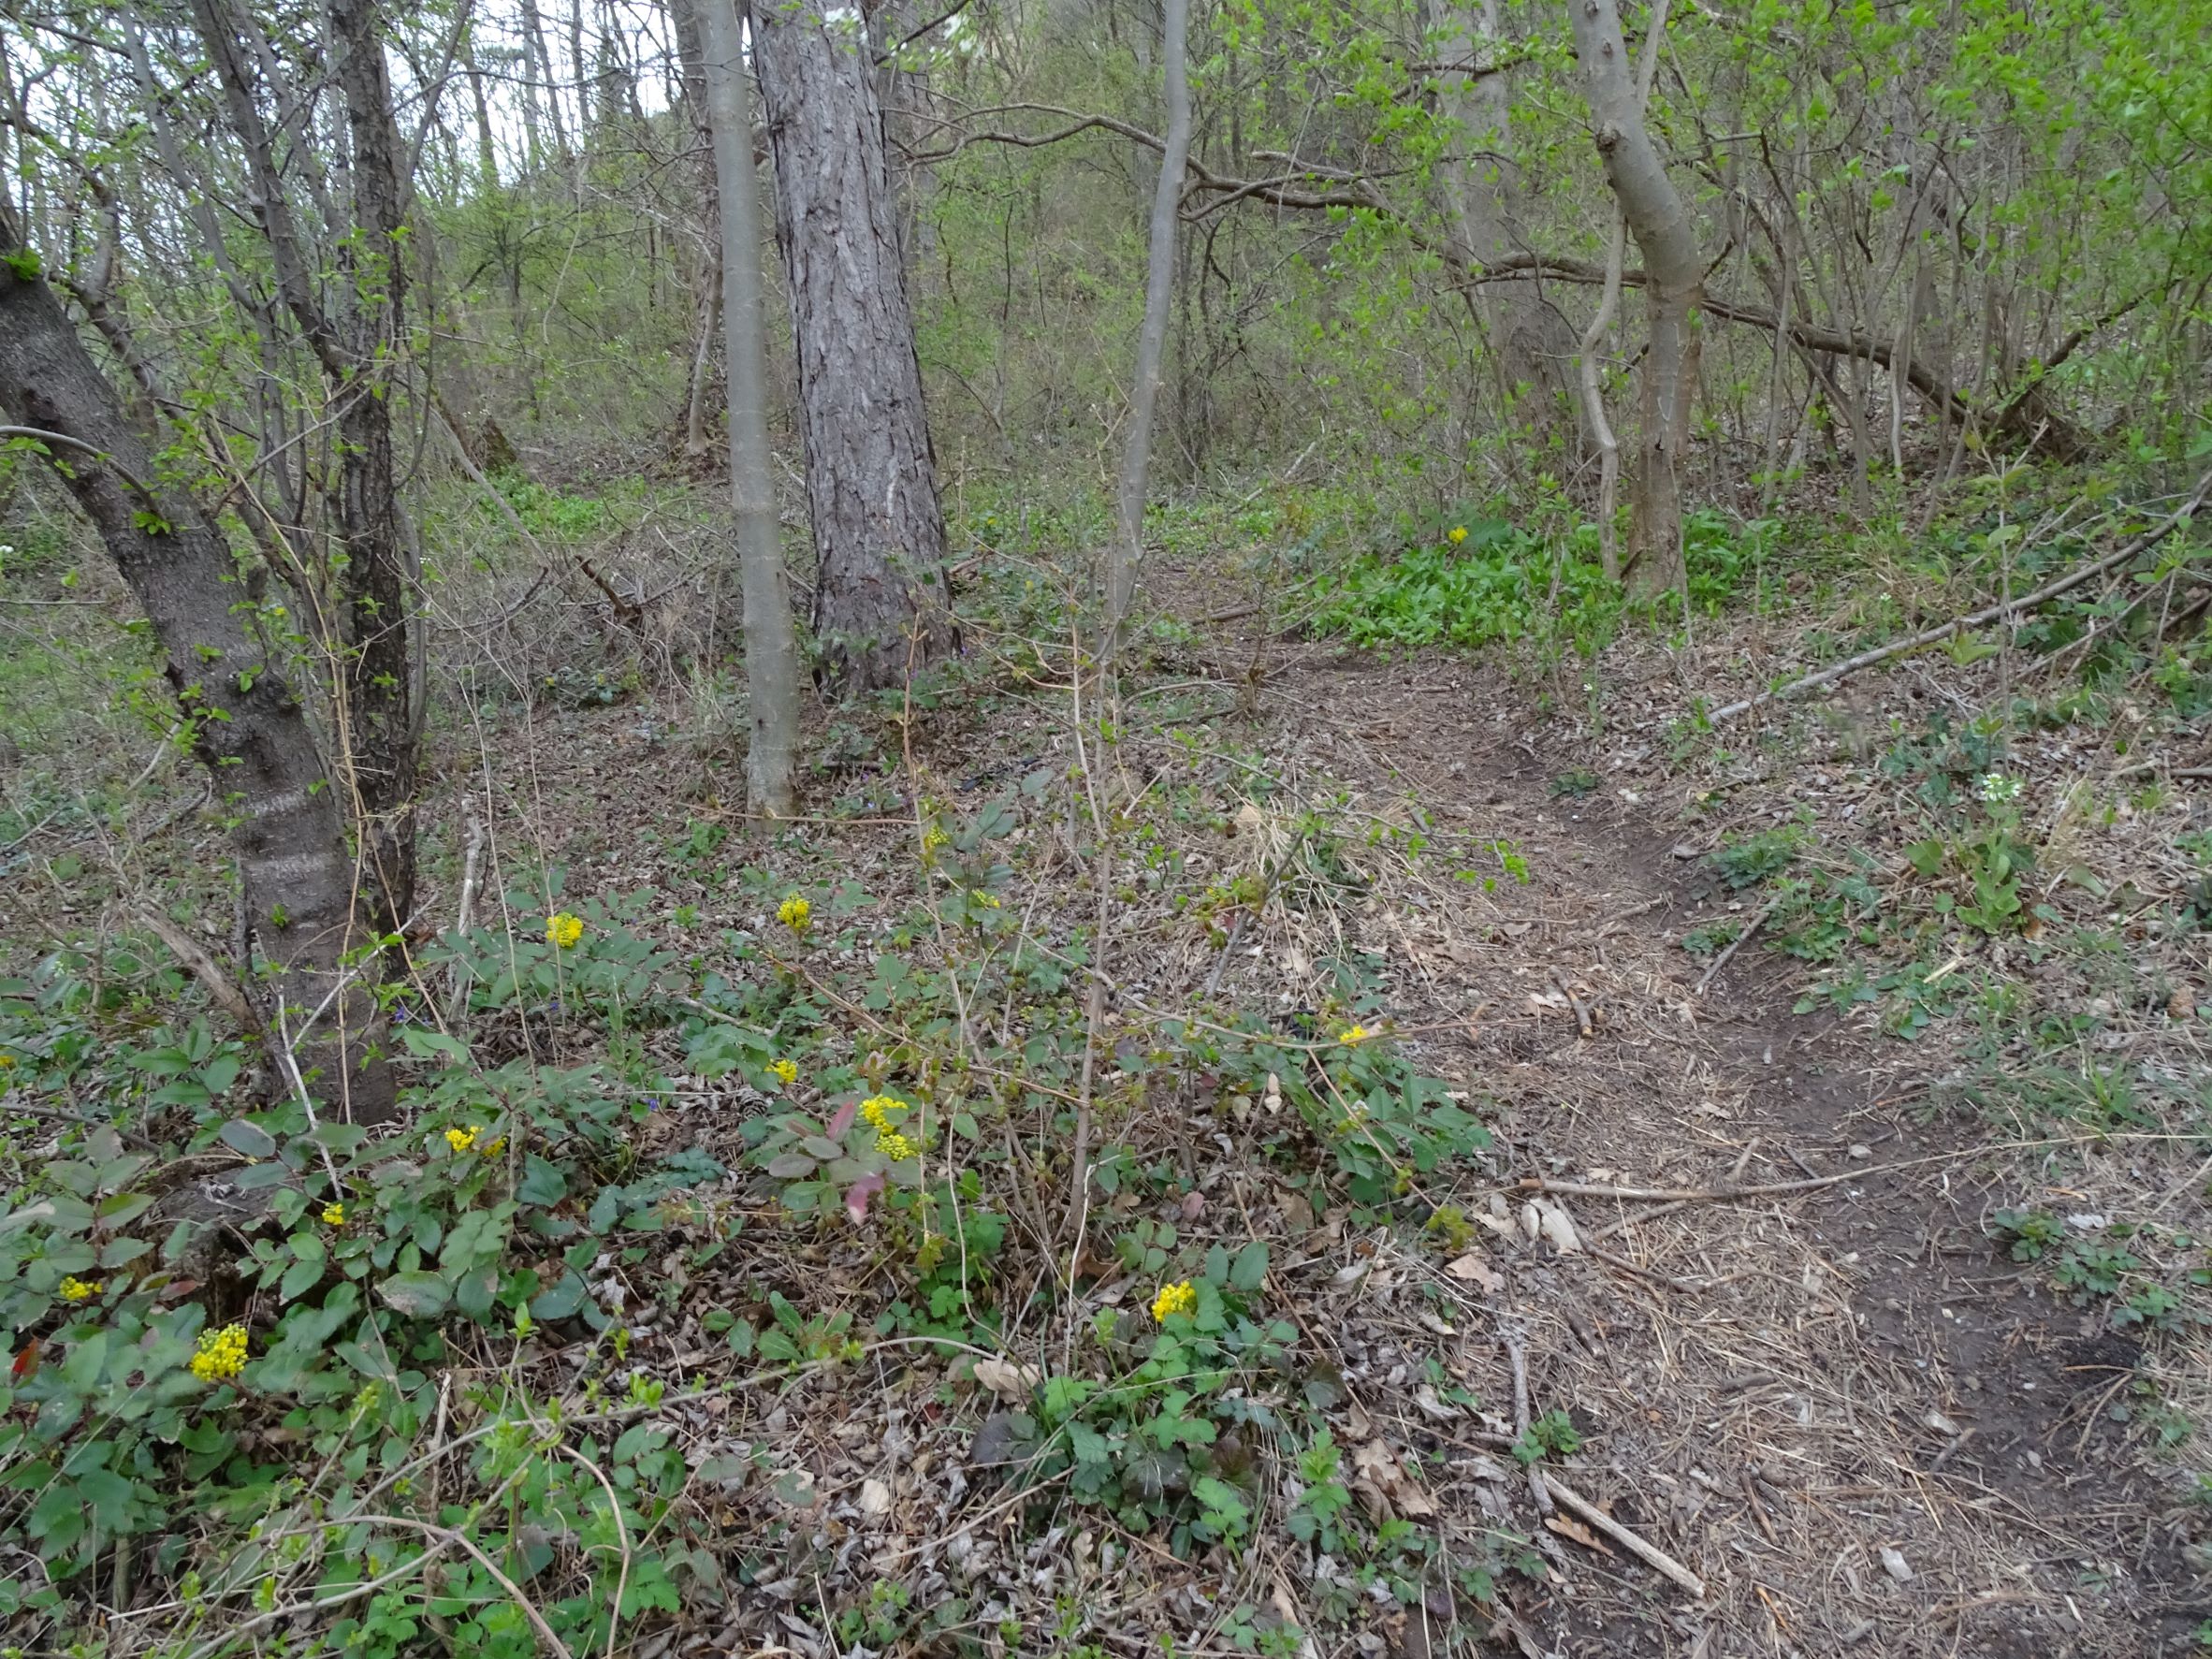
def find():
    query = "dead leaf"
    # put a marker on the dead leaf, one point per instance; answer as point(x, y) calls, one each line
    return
point(1003, 1376)
point(875, 1498)
point(1566, 1527)
point(1471, 1268)
point(1559, 1228)
point(1380, 1480)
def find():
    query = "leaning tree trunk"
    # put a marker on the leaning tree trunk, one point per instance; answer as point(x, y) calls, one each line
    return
point(247, 726)
point(771, 651)
point(1160, 284)
point(882, 601)
point(1674, 274)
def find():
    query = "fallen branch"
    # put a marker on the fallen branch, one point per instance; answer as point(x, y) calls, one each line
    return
point(1650, 1553)
point(1692, 1195)
point(2004, 610)
point(1581, 1014)
point(1737, 943)
point(217, 982)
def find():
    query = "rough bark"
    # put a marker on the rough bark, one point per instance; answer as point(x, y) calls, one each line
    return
point(1129, 541)
point(771, 648)
point(882, 601)
point(378, 719)
point(248, 728)
point(1674, 277)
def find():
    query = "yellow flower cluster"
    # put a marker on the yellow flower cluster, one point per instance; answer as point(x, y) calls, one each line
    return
point(334, 1214)
point(74, 1289)
point(988, 900)
point(795, 914)
point(784, 1071)
point(1458, 534)
point(564, 930)
point(7, 1062)
point(1354, 1036)
point(877, 1110)
point(1175, 1298)
point(222, 1354)
point(933, 837)
point(465, 1141)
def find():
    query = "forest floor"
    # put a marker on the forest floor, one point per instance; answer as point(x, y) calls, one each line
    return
point(1828, 1384)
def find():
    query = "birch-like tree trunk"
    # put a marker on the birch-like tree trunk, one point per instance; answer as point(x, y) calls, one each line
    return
point(882, 601)
point(771, 650)
point(248, 728)
point(1167, 196)
point(1674, 273)
point(1532, 340)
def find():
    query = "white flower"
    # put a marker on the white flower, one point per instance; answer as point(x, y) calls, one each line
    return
point(1996, 786)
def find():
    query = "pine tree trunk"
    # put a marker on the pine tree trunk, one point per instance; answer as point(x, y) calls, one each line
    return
point(771, 648)
point(880, 598)
point(247, 726)
point(1674, 273)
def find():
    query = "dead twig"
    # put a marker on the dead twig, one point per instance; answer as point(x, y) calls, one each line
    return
point(2003, 611)
point(1737, 943)
point(1693, 1195)
point(1517, 1354)
point(1650, 1553)
point(1575, 1002)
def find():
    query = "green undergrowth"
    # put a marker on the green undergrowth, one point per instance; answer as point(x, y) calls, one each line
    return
point(1468, 580)
point(393, 1384)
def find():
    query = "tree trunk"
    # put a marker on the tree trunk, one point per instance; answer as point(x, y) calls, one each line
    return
point(1532, 340)
point(247, 726)
point(880, 598)
point(771, 650)
point(1674, 274)
point(378, 719)
point(1159, 280)
point(381, 700)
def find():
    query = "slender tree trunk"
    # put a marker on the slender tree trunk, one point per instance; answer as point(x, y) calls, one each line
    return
point(771, 650)
point(381, 704)
point(882, 601)
point(247, 726)
point(487, 166)
point(1160, 281)
point(1674, 274)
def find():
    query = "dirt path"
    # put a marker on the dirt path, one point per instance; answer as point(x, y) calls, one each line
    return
point(1842, 1406)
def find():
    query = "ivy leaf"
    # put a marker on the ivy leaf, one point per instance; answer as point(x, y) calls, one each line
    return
point(301, 1277)
point(418, 1295)
point(248, 1139)
point(561, 1301)
point(1249, 1270)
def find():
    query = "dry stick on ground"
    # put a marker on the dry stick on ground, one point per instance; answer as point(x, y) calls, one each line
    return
point(1650, 1553)
point(1575, 1002)
point(1737, 943)
point(1516, 1354)
point(2002, 611)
